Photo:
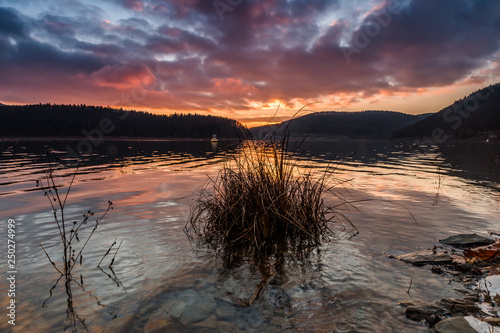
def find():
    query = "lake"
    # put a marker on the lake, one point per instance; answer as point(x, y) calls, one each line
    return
point(159, 278)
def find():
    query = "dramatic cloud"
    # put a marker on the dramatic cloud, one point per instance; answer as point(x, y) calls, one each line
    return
point(238, 58)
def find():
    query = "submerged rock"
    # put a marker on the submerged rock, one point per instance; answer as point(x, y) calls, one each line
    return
point(226, 327)
point(197, 309)
point(210, 322)
point(158, 323)
point(120, 324)
point(454, 325)
point(425, 257)
point(466, 240)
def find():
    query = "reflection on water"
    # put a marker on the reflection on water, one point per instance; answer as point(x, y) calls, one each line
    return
point(159, 280)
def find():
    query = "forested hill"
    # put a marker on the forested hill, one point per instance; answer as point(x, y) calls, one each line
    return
point(475, 115)
point(49, 120)
point(352, 125)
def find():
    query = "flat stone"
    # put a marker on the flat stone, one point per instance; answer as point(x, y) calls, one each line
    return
point(466, 240)
point(425, 257)
point(429, 312)
point(177, 309)
point(454, 325)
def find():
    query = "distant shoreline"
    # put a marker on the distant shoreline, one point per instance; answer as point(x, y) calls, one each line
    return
point(110, 138)
point(126, 138)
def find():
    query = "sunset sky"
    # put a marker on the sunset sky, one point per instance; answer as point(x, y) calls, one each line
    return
point(239, 58)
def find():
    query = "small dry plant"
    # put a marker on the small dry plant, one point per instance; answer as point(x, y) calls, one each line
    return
point(72, 243)
point(68, 231)
point(263, 198)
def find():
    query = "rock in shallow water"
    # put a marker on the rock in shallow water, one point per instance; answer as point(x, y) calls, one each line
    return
point(120, 324)
point(226, 327)
point(197, 309)
point(466, 240)
point(210, 322)
point(425, 257)
point(158, 323)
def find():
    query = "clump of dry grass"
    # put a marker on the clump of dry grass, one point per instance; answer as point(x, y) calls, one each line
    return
point(262, 199)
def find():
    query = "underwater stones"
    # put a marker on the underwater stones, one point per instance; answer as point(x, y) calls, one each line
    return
point(209, 322)
point(425, 257)
point(177, 310)
point(197, 309)
point(120, 324)
point(158, 323)
point(225, 311)
point(226, 327)
point(466, 240)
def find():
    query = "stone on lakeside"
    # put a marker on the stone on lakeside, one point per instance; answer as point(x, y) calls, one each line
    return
point(466, 240)
point(454, 325)
point(430, 312)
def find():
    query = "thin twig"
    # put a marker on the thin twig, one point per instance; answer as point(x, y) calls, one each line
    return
point(113, 260)
point(107, 252)
point(48, 257)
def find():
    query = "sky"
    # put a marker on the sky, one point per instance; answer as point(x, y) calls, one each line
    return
point(243, 58)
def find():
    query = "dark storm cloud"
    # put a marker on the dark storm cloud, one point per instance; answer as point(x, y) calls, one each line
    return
point(10, 22)
point(433, 43)
point(253, 50)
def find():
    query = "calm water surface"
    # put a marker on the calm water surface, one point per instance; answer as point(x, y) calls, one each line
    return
point(348, 286)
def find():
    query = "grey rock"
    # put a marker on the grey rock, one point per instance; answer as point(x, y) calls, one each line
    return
point(466, 240)
point(177, 309)
point(425, 257)
point(454, 325)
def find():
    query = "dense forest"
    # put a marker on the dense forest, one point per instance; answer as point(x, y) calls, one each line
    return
point(49, 120)
point(344, 125)
point(476, 115)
